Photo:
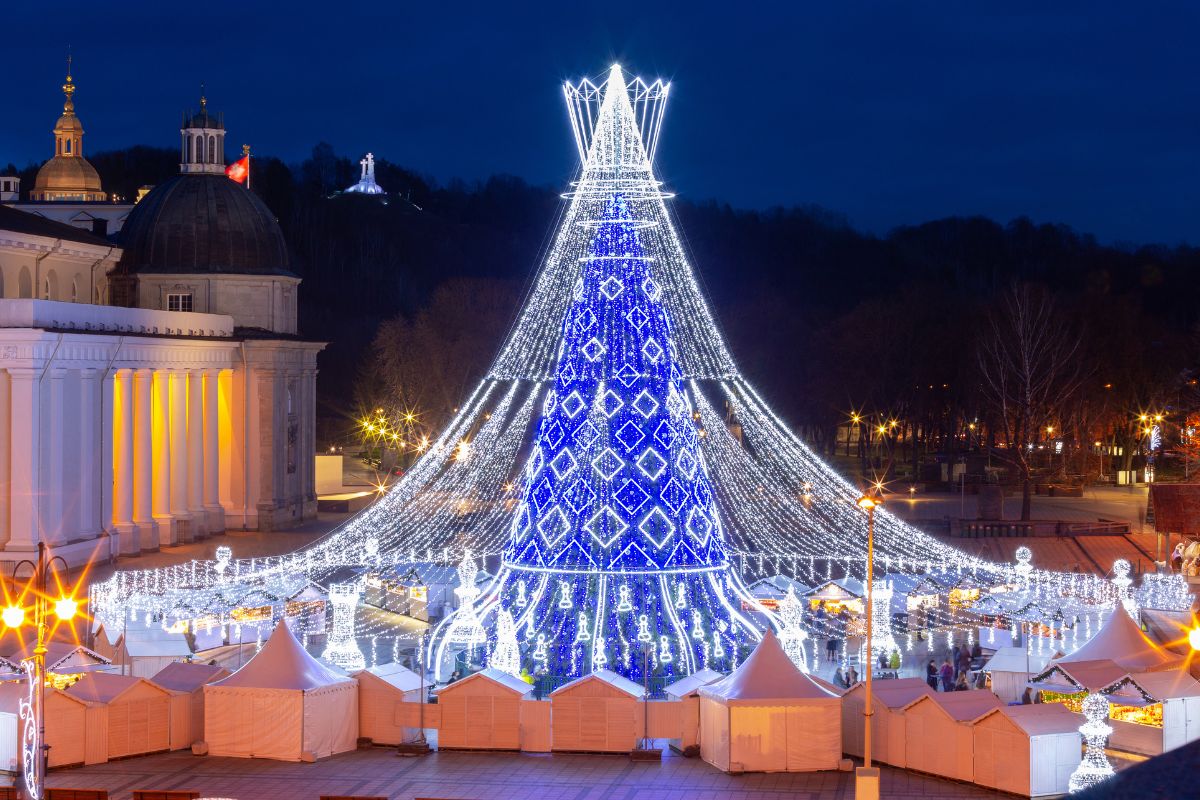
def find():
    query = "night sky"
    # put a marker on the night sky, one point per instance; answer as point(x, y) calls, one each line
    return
point(892, 113)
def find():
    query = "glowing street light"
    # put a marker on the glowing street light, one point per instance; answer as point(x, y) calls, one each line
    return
point(1194, 638)
point(33, 710)
point(866, 779)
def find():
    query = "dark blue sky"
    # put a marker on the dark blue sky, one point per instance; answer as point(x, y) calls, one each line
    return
point(891, 113)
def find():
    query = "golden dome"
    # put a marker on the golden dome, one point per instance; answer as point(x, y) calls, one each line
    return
point(68, 176)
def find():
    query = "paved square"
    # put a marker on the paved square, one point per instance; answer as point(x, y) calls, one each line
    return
point(486, 776)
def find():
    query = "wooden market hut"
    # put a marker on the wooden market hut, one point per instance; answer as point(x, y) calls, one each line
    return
point(768, 716)
point(1030, 750)
point(686, 692)
point(186, 682)
point(139, 712)
point(381, 690)
point(65, 661)
point(76, 730)
point(888, 723)
point(482, 711)
point(1154, 712)
point(598, 713)
point(937, 732)
point(1010, 669)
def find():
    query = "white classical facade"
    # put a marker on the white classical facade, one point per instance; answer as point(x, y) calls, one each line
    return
point(123, 430)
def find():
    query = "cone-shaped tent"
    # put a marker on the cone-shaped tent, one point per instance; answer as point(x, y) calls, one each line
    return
point(1120, 640)
point(768, 716)
point(284, 704)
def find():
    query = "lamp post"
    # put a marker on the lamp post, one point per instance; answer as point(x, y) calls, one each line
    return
point(33, 709)
point(866, 779)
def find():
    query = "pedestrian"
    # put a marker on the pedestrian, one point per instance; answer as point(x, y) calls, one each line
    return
point(976, 653)
point(1027, 698)
point(883, 659)
point(831, 648)
point(963, 664)
point(839, 679)
point(961, 685)
point(931, 675)
point(1177, 557)
point(947, 675)
point(851, 677)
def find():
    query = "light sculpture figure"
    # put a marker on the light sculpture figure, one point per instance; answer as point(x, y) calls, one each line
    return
point(467, 629)
point(793, 635)
point(1121, 581)
point(506, 655)
point(342, 648)
point(1024, 567)
point(1095, 767)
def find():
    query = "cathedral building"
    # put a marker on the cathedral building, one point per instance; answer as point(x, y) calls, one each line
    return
point(166, 395)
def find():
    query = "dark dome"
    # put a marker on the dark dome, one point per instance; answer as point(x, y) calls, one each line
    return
point(202, 223)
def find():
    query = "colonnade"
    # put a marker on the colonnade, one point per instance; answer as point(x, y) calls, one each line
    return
point(165, 456)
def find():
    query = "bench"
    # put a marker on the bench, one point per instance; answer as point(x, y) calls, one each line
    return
point(76, 794)
point(165, 794)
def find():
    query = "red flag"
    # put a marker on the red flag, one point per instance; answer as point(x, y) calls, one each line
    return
point(239, 170)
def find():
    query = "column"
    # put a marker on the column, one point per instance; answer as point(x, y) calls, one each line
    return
point(25, 409)
point(108, 386)
point(214, 512)
point(268, 450)
point(5, 456)
point(122, 483)
point(145, 531)
point(160, 454)
point(178, 455)
point(89, 454)
point(195, 454)
point(53, 491)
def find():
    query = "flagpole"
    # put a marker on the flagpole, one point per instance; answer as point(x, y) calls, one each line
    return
point(246, 155)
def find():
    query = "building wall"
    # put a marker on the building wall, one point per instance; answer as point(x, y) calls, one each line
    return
point(55, 269)
point(267, 302)
point(122, 430)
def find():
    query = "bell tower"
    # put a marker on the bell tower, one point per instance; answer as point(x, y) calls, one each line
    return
point(202, 142)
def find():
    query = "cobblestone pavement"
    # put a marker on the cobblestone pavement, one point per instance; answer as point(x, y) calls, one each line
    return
point(486, 776)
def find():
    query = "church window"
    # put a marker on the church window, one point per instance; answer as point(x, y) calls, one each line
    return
point(199, 149)
point(179, 301)
point(24, 284)
point(212, 149)
point(68, 145)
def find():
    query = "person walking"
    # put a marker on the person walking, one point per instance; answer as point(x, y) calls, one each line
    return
point(831, 648)
point(947, 675)
point(931, 675)
point(963, 665)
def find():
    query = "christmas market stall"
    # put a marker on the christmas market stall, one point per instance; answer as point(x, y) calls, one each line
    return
point(937, 737)
point(768, 716)
point(284, 704)
point(888, 698)
point(1009, 670)
point(186, 681)
point(686, 692)
point(598, 713)
point(381, 691)
point(139, 712)
point(65, 662)
point(769, 591)
point(1153, 712)
point(834, 596)
point(1029, 750)
point(482, 711)
point(76, 730)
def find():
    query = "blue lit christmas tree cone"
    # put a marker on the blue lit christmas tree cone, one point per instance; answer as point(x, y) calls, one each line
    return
point(617, 540)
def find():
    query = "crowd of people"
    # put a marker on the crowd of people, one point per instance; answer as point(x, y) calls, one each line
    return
point(954, 675)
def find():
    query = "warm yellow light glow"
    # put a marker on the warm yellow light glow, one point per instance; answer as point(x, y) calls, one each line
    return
point(65, 608)
point(1194, 638)
point(893, 423)
point(882, 429)
point(1049, 429)
point(1158, 417)
point(13, 616)
point(971, 426)
point(867, 503)
point(1143, 417)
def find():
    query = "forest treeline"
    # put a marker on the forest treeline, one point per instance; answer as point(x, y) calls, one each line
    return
point(824, 319)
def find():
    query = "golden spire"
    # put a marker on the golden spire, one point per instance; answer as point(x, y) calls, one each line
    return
point(203, 101)
point(69, 88)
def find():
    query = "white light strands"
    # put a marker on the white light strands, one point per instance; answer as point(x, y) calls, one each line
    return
point(466, 627)
point(1095, 767)
point(342, 648)
point(882, 641)
point(506, 655)
point(793, 635)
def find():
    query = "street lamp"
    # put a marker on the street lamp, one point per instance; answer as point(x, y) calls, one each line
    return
point(33, 710)
point(866, 779)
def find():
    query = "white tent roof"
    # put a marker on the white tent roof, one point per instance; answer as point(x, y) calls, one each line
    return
point(608, 676)
point(396, 675)
point(1122, 641)
point(692, 683)
point(768, 676)
point(1015, 659)
point(503, 678)
point(181, 676)
point(1039, 719)
point(283, 664)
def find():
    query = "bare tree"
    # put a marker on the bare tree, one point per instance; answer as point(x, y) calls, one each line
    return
point(1030, 367)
